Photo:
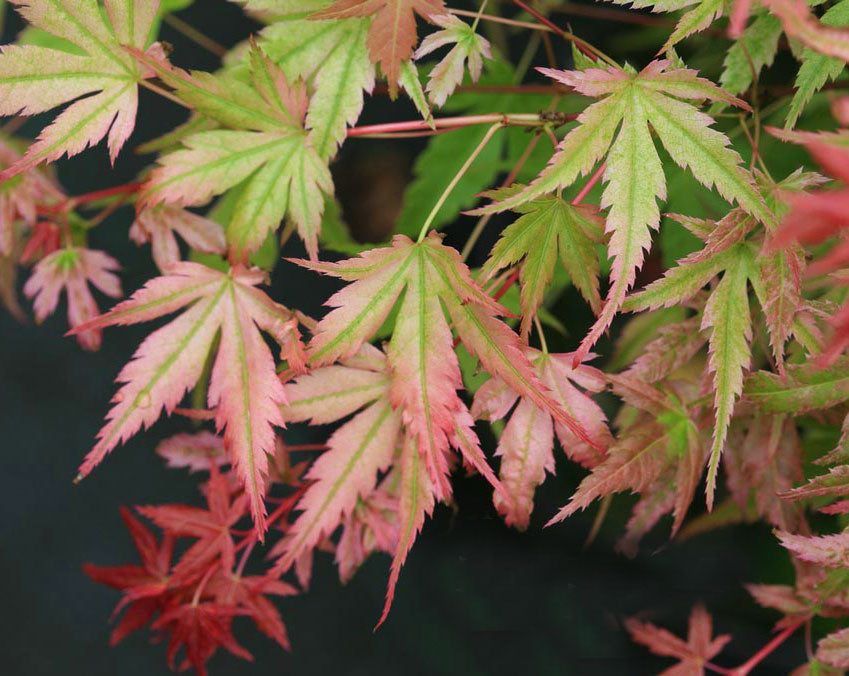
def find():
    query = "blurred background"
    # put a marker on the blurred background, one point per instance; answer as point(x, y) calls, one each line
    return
point(474, 597)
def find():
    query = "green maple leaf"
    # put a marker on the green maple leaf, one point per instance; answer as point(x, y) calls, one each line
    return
point(265, 145)
point(817, 68)
point(702, 13)
point(549, 227)
point(330, 55)
point(619, 122)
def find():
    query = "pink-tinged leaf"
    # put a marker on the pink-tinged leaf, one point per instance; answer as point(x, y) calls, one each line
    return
point(831, 551)
point(244, 384)
point(72, 270)
point(193, 451)
point(807, 387)
point(701, 645)
point(525, 449)
point(781, 280)
point(360, 309)
point(344, 474)
point(675, 345)
point(158, 225)
point(763, 466)
point(371, 527)
point(834, 649)
point(800, 23)
point(416, 501)
point(35, 79)
point(657, 501)
point(589, 82)
point(835, 483)
point(392, 35)
point(469, 47)
point(331, 393)
point(782, 598)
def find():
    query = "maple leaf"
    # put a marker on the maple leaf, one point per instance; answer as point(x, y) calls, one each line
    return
point(193, 451)
point(372, 526)
point(549, 226)
point(762, 462)
point(248, 593)
point(805, 388)
point(392, 33)
point(662, 442)
point(692, 21)
point(800, 23)
point(527, 443)
point(834, 649)
point(244, 386)
point(700, 646)
point(634, 172)
point(265, 145)
point(357, 451)
point(144, 585)
point(159, 224)
point(830, 551)
point(468, 47)
point(751, 52)
point(72, 269)
point(210, 526)
point(421, 356)
point(345, 487)
point(200, 628)
point(35, 79)
point(331, 55)
point(817, 68)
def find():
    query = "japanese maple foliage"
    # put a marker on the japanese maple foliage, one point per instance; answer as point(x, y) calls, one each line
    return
point(639, 182)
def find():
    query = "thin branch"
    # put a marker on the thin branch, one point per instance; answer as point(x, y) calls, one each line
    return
point(454, 181)
point(502, 119)
point(195, 35)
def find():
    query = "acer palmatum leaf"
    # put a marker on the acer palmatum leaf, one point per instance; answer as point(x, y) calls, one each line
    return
point(265, 145)
point(662, 442)
point(345, 476)
point(35, 79)
point(634, 174)
point(800, 23)
point(193, 451)
point(71, 270)
point(433, 279)
point(548, 228)
point(248, 593)
point(830, 551)
point(145, 586)
point(392, 34)
point(332, 56)
point(833, 649)
point(415, 501)
point(365, 445)
point(244, 387)
point(469, 47)
point(527, 443)
point(158, 225)
point(211, 527)
point(200, 629)
point(701, 645)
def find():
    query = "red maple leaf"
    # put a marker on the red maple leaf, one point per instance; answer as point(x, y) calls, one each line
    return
point(692, 653)
point(145, 586)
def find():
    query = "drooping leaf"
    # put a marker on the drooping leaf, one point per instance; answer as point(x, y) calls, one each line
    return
point(36, 79)
point(807, 387)
point(244, 387)
point(527, 443)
